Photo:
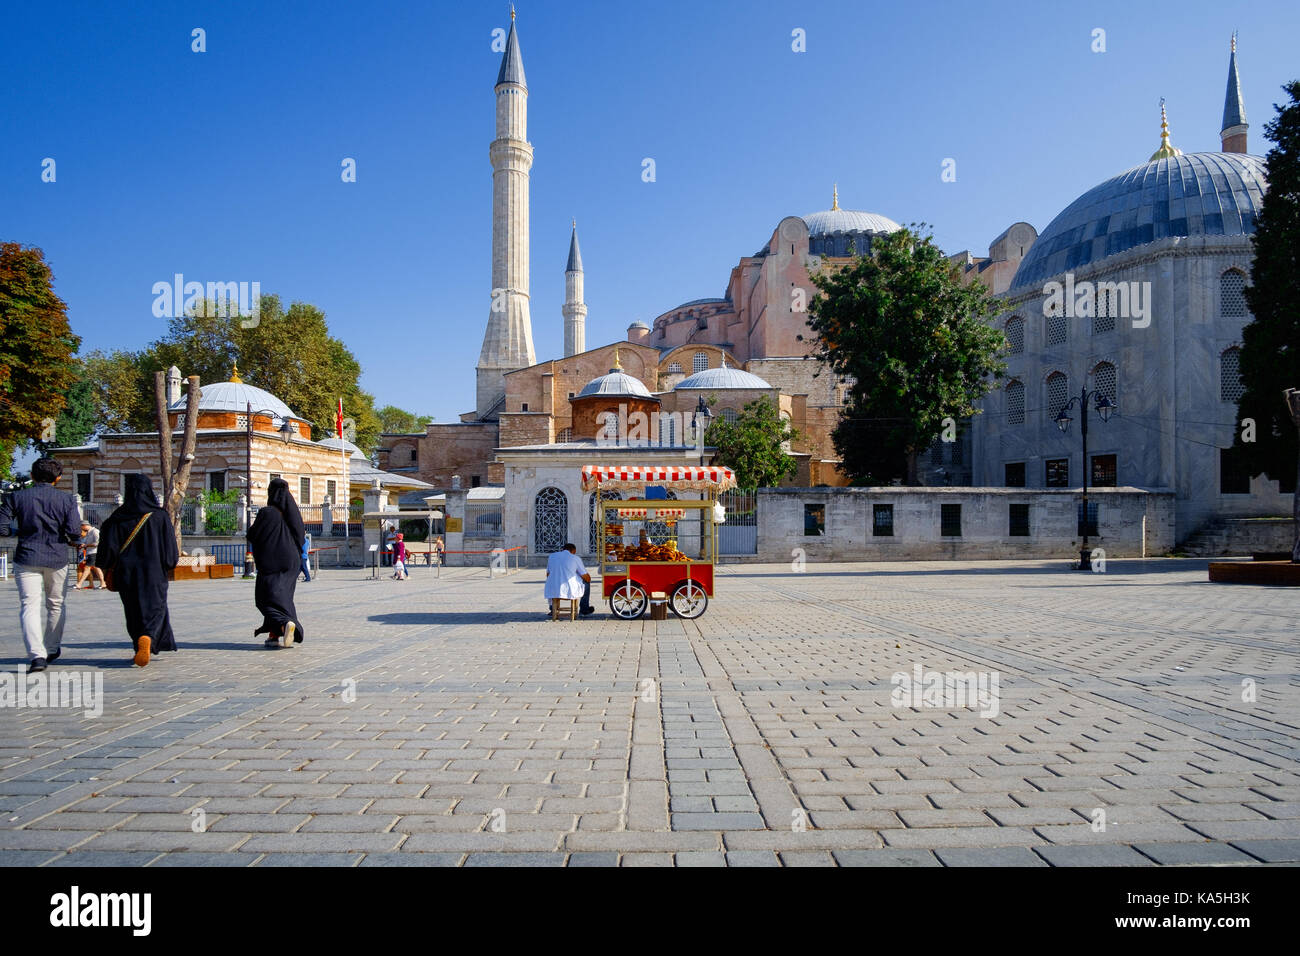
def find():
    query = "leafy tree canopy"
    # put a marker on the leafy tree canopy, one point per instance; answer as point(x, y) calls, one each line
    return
point(753, 445)
point(915, 345)
point(394, 420)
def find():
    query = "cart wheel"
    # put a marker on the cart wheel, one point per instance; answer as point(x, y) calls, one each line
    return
point(688, 600)
point(628, 601)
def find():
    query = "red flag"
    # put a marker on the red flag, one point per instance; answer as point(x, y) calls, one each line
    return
point(339, 421)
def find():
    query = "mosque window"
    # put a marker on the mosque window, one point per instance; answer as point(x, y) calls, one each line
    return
point(1106, 381)
point(1103, 319)
point(700, 362)
point(1058, 387)
point(1056, 329)
point(565, 434)
point(667, 430)
point(1016, 403)
point(1232, 294)
point(728, 415)
point(1230, 385)
point(1016, 334)
point(674, 368)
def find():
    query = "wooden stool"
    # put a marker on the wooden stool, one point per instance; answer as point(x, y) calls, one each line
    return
point(658, 606)
point(573, 608)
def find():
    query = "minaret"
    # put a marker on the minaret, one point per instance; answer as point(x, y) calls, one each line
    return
point(1233, 134)
point(508, 340)
point(575, 310)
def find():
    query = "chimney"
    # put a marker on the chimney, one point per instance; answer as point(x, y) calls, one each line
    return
point(173, 386)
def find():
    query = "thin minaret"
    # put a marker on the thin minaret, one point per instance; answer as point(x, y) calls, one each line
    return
point(508, 340)
point(1233, 134)
point(575, 310)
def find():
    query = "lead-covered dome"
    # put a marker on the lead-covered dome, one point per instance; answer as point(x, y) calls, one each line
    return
point(830, 221)
point(1194, 194)
point(617, 382)
point(722, 378)
point(236, 397)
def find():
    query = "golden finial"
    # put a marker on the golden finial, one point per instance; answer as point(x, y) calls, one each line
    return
point(234, 374)
point(1167, 149)
point(1234, 41)
point(618, 367)
point(512, 13)
point(574, 222)
point(835, 196)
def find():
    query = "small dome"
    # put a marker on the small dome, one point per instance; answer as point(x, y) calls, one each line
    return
point(617, 382)
point(637, 325)
point(722, 378)
point(1193, 194)
point(236, 397)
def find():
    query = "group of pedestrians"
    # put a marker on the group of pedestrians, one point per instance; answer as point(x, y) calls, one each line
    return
point(133, 554)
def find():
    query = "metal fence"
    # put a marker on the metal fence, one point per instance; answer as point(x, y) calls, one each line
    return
point(483, 520)
point(739, 535)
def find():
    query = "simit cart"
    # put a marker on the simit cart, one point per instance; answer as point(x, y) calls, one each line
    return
point(662, 548)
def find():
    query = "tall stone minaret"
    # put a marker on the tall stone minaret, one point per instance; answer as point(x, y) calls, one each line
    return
point(575, 310)
point(1233, 134)
point(508, 340)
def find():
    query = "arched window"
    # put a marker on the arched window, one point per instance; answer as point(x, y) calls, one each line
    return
point(1056, 329)
point(550, 521)
point(591, 516)
point(1106, 381)
point(1232, 293)
point(608, 428)
point(1015, 402)
point(728, 415)
point(1230, 385)
point(1016, 334)
point(700, 362)
point(667, 429)
point(1105, 311)
point(1058, 393)
point(564, 434)
point(674, 368)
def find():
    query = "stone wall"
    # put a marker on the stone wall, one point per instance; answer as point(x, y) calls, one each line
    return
point(1132, 523)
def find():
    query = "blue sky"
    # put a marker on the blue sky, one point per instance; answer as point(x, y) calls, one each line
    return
point(225, 165)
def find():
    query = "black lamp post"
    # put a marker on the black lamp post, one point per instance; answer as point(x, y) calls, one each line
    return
point(703, 416)
point(1104, 408)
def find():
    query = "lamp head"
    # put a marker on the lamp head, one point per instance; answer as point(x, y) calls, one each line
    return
point(1063, 420)
point(1105, 407)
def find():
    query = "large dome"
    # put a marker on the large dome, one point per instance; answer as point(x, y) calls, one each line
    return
point(830, 221)
point(722, 378)
point(236, 397)
point(1195, 194)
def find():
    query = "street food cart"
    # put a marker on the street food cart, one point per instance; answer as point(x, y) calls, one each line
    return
point(657, 549)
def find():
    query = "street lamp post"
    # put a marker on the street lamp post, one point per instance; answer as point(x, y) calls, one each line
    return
point(1104, 407)
point(703, 415)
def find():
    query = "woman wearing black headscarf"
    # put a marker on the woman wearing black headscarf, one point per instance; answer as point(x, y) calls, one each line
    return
point(276, 538)
point(138, 543)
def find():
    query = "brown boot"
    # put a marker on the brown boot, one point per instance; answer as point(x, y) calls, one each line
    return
point(142, 651)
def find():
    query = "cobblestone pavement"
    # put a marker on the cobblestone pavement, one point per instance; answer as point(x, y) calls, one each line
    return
point(1145, 717)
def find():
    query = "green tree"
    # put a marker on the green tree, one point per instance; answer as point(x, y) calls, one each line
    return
point(1270, 343)
point(753, 445)
point(37, 368)
point(122, 383)
point(394, 420)
point(289, 353)
point(79, 418)
point(916, 345)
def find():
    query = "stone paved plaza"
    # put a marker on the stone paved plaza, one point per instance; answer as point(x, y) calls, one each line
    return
point(445, 722)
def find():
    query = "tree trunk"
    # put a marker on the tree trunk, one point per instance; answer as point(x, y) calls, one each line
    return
point(913, 478)
point(176, 480)
point(1292, 396)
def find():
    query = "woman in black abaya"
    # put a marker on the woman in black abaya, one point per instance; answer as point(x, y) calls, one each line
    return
point(276, 538)
point(140, 565)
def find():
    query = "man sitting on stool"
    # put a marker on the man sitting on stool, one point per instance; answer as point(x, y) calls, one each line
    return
point(567, 578)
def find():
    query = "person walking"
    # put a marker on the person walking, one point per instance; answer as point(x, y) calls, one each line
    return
point(47, 523)
point(439, 551)
point(137, 546)
point(399, 557)
point(277, 537)
point(306, 558)
point(87, 570)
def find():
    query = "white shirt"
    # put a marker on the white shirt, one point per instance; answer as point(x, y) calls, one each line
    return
point(564, 573)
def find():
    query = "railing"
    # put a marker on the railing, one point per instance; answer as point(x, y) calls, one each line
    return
point(497, 560)
point(739, 535)
point(483, 520)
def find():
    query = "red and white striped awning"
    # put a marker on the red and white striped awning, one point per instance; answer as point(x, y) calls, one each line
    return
point(654, 514)
point(636, 477)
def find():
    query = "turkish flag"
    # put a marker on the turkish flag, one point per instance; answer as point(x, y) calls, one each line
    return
point(339, 421)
